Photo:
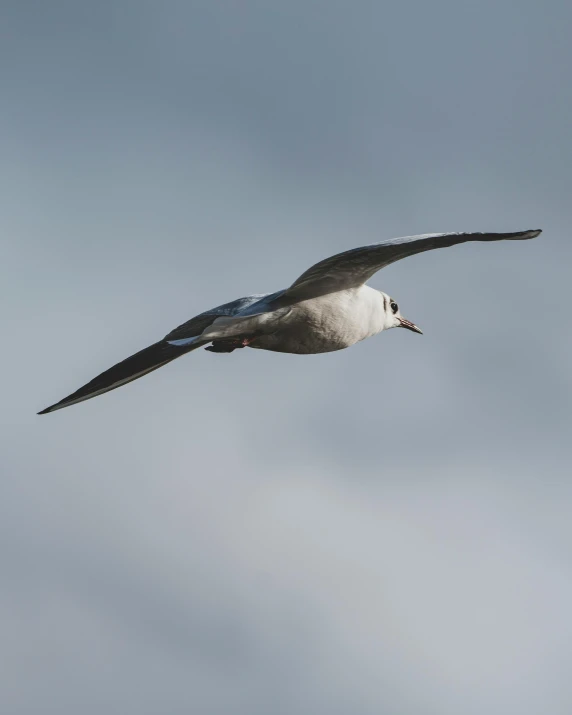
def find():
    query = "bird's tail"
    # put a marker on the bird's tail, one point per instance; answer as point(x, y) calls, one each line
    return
point(127, 370)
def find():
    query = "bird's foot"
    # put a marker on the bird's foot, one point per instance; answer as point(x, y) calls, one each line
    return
point(228, 345)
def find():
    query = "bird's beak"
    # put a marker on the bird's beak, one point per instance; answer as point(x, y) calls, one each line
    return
point(404, 323)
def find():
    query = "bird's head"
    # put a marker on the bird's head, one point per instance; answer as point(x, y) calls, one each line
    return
point(393, 317)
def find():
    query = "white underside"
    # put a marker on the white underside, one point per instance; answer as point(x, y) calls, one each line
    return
point(330, 322)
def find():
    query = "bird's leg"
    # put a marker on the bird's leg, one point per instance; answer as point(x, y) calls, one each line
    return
point(223, 346)
point(228, 345)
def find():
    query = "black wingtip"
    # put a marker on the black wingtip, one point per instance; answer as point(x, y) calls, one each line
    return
point(53, 408)
point(518, 235)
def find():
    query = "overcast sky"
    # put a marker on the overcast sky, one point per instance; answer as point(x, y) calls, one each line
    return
point(384, 529)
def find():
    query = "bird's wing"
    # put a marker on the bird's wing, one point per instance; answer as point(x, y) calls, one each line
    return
point(127, 370)
point(353, 268)
point(195, 326)
point(155, 355)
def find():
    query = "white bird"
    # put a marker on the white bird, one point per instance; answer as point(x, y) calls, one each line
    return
point(329, 307)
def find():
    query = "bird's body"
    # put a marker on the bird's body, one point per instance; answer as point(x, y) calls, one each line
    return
point(329, 322)
point(329, 307)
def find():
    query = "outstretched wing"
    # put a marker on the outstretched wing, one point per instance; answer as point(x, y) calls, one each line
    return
point(127, 370)
point(353, 268)
point(156, 355)
point(195, 326)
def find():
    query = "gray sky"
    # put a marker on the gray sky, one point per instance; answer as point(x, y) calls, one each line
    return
point(381, 530)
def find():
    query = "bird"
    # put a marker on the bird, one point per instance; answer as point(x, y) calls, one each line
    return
point(329, 307)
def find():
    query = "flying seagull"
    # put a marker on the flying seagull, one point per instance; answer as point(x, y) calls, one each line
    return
point(329, 307)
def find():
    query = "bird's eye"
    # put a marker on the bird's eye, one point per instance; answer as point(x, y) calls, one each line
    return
point(394, 306)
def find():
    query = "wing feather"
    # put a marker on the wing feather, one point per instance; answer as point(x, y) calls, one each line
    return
point(158, 354)
point(353, 268)
point(195, 326)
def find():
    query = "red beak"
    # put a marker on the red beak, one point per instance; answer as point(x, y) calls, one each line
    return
point(404, 323)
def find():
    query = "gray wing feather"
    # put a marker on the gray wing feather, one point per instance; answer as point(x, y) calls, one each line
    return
point(353, 268)
point(161, 353)
point(248, 305)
